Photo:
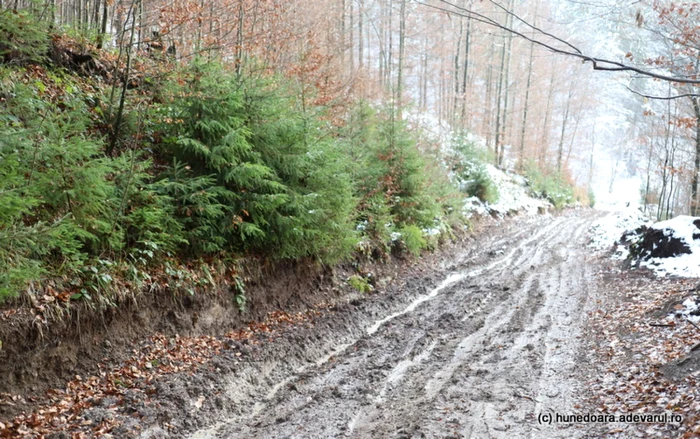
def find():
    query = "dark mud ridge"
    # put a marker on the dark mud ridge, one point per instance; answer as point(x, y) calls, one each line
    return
point(648, 242)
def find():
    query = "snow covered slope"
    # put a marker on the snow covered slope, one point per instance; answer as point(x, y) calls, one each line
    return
point(607, 232)
point(513, 197)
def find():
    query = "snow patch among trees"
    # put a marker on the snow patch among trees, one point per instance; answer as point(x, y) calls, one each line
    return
point(513, 197)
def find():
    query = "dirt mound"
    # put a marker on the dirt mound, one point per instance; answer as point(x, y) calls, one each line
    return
point(663, 240)
point(657, 244)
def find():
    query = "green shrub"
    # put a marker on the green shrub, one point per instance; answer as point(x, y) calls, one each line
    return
point(252, 174)
point(64, 202)
point(412, 238)
point(317, 219)
point(397, 183)
point(478, 183)
point(212, 166)
point(23, 37)
point(549, 185)
point(468, 165)
point(360, 284)
point(57, 191)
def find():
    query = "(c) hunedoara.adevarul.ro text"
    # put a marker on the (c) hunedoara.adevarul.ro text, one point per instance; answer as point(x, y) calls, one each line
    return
point(628, 418)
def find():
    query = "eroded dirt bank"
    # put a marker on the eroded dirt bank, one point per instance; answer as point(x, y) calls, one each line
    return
point(475, 343)
point(477, 349)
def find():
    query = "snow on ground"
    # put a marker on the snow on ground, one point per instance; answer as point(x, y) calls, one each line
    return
point(606, 232)
point(513, 197)
point(684, 265)
point(623, 194)
point(689, 309)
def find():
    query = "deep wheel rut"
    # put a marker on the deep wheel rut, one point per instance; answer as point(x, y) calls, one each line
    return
point(479, 354)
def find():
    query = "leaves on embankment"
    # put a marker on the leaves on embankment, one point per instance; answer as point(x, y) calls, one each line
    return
point(88, 406)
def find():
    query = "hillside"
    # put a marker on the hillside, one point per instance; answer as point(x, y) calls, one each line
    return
point(148, 197)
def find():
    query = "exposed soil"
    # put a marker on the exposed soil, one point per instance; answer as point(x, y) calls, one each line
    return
point(477, 340)
point(475, 347)
point(37, 355)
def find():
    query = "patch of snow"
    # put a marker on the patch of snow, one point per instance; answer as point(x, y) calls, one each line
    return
point(431, 232)
point(607, 231)
point(690, 310)
point(474, 206)
point(513, 197)
point(684, 265)
point(514, 194)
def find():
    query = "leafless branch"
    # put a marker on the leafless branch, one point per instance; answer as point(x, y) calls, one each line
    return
point(663, 98)
point(599, 64)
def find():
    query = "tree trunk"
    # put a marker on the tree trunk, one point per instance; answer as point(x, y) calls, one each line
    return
point(360, 41)
point(423, 99)
point(669, 201)
point(351, 41)
point(665, 168)
point(560, 150)
point(526, 104)
point(122, 98)
point(577, 119)
point(140, 38)
point(590, 160)
point(544, 144)
point(343, 39)
point(488, 105)
point(696, 169)
point(402, 56)
point(381, 44)
point(465, 73)
point(506, 97)
point(647, 187)
point(390, 46)
point(456, 68)
point(239, 42)
point(499, 102)
point(103, 27)
point(503, 91)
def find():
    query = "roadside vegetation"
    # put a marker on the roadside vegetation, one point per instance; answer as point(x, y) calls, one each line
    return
point(201, 164)
point(178, 174)
point(554, 186)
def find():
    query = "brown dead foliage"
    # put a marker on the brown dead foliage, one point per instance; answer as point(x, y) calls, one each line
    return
point(153, 359)
point(635, 336)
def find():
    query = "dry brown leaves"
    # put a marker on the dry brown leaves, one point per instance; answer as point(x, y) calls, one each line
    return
point(151, 360)
point(633, 339)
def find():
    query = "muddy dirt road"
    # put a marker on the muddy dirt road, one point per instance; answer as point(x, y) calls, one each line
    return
point(480, 352)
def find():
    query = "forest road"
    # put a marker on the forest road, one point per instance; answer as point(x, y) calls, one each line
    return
point(480, 354)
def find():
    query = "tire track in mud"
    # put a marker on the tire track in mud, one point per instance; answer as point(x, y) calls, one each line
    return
point(479, 355)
